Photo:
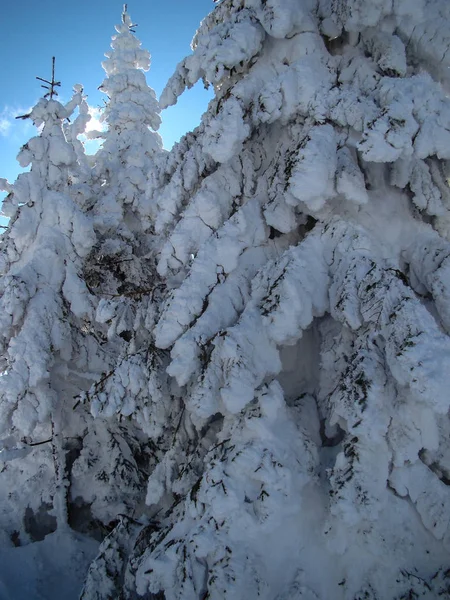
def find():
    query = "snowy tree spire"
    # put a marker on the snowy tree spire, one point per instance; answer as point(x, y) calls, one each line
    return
point(132, 118)
point(121, 268)
point(123, 166)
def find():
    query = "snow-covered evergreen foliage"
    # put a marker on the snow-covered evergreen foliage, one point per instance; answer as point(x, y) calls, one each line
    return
point(304, 230)
point(273, 301)
point(123, 163)
point(120, 271)
point(48, 349)
point(122, 268)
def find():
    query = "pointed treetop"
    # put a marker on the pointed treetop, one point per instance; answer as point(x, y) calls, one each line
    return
point(51, 84)
point(126, 20)
point(127, 23)
point(50, 87)
point(126, 51)
point(130, 98)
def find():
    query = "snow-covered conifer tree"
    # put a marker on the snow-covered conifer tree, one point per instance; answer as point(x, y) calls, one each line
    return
point(130, 142)
point(121, 268)
point(49, 351)
point(307, 248)
point(258, 320)
point(61, 470)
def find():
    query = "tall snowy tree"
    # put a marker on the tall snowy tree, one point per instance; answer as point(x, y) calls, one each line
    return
point(131, 402)
point(122, 268)
point(307, 244)
point(131, 114)
point(61, 470)
point(48, 348)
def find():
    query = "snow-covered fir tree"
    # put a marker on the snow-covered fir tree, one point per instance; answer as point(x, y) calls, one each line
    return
point(48, 348)
point(122, 267)
point(110, 472)
point(277, 335)
point(61, 471)
point(130, 142)
point(304, 233)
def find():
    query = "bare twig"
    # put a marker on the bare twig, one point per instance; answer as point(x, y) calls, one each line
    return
point(50, 87)
point(179, 423)
point(51, 84)
point(40, 443)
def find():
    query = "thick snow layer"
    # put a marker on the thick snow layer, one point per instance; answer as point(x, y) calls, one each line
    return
point(343, 131)
point(130, 142)
point(231, 361)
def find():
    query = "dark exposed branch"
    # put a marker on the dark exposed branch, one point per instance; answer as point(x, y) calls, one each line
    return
point(40, 443)
point(51, 87)
point(51, 84)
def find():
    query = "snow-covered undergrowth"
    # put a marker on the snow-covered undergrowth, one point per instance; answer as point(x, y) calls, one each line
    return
point(243, 368)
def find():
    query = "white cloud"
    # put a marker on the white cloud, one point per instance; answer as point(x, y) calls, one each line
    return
point(5, 125)
point(8, 124)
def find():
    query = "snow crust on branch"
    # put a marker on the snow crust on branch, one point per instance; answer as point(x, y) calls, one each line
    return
point(41, 284)
point(329, 129)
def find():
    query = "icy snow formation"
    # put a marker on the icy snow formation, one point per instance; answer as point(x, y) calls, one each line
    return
point(303, 239)
point(273, 300)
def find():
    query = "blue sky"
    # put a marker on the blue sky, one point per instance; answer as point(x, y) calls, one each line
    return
point(78, 33)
